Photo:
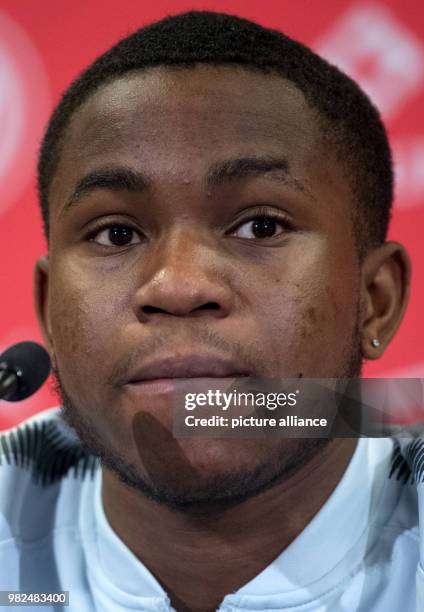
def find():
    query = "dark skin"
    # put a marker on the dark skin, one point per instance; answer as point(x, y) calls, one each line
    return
point(195, 278)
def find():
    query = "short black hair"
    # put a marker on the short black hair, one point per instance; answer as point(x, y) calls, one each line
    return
point(349, 122)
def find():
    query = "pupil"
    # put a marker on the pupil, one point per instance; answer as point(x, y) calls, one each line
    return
point(120, 235)
point(264, 227)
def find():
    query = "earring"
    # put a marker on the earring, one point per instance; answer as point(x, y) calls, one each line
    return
point(375, 342)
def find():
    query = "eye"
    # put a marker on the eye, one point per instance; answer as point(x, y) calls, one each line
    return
point(116, 235)
point(261, 226)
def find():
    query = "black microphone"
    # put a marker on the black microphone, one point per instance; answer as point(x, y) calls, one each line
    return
point(23, 369)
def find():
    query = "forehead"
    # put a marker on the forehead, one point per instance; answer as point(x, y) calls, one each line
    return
point(174, 124)
point(204, 111)
point(250, 104)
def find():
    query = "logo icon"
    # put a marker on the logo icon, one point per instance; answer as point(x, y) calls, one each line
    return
point(24, 108)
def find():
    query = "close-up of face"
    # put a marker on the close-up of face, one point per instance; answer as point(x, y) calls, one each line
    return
point(199, 228)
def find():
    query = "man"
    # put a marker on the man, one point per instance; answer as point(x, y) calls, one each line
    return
point(216, 200)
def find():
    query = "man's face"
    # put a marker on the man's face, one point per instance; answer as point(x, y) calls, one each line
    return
point(211, 228)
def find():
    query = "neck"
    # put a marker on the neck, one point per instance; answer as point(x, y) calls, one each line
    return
point(200, 558)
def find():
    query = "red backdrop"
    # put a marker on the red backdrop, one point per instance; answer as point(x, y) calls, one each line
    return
point(44, 45)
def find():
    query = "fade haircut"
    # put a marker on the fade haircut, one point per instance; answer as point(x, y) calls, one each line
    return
point(349, 122)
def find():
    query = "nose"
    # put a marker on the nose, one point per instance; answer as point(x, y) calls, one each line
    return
point(183, 276)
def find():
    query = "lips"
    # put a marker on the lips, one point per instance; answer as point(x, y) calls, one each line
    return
point(193, 366)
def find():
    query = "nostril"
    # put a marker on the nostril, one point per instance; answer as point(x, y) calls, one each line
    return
point(152, 309)
point(208, 306)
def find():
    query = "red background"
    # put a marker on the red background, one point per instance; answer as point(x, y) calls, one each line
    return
point(43, 46)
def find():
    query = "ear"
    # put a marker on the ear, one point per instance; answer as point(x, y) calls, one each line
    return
point(41, 301)
point(385, 282)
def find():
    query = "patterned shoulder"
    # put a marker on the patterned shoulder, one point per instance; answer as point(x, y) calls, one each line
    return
point(48, 449)
point(408, 457)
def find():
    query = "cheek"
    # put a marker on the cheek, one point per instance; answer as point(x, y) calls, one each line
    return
point(306, 319)
point(85, 316)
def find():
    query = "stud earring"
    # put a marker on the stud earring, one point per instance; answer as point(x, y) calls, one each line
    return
point(375, 342)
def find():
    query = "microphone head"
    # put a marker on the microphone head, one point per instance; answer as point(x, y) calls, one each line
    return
point(31, 362)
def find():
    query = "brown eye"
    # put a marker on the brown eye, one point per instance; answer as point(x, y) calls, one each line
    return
point(260, 227)
point(116, 235)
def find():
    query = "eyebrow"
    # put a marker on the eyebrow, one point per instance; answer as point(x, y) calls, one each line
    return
point(119, 178)
point(122, 178)
point(245, 167)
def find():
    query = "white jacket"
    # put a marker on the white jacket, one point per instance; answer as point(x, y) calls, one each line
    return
point(360, 553)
